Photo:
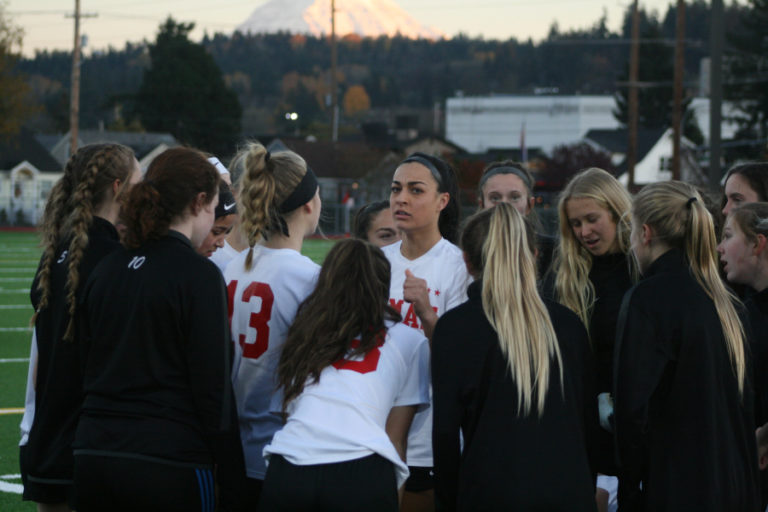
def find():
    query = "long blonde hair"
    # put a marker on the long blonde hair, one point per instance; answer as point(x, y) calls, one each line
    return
point(573, 262)
point(511, 300)
point(676, 213)
point(267, 180)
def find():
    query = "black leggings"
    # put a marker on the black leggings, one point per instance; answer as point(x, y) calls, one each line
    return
point(127, 484)
point(362, 484)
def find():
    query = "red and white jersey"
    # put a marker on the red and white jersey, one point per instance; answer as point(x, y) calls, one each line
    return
point(222, 256)
point(343, 416)
point(262, 305)
point(447, 279)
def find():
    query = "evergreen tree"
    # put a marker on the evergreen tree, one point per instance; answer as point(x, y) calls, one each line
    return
point(183, 92)
point(747, 74)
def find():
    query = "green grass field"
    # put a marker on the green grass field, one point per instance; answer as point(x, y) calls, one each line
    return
point(19, 255)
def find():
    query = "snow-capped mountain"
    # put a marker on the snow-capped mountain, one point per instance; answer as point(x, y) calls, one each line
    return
point(363, 17)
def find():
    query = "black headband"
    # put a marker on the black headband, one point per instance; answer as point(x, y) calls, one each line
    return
point(507, 170)
point(426, 163)
point(690, 202)
point(304, 191)
point(227, 204)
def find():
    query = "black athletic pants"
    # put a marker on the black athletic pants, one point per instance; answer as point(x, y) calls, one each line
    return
point(128, 484)
point(362, 484)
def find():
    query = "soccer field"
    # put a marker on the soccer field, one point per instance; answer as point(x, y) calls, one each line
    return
point(19, 255)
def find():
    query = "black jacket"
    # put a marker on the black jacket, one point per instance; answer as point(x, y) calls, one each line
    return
point(681, 427)
point(48, 453)
point(157, 367)
point(510, 462)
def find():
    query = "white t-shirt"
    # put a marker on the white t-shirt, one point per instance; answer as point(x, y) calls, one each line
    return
point(263, 304)
point(343, 416)
point(447, 279)
point(222, 256)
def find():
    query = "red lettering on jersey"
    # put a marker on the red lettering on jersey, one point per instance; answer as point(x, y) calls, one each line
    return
point(368, 364)
point(258, 320)
point(411, 319)
point(231, 287)
point(397, 304)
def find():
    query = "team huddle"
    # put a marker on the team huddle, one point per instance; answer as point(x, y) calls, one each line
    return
point(186, 355)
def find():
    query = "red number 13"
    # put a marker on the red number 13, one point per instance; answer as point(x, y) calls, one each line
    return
point(258, 320)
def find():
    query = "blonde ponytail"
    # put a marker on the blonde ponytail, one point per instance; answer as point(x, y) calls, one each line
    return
point(677, 214)
point(512, 304)
point(267, 180)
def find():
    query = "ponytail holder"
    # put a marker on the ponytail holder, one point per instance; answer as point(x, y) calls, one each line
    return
point(690, 202)
point(267, 157)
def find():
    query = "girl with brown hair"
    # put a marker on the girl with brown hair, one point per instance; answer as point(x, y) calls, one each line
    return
point(78, 231)
point(351, 378)
point(157, 410)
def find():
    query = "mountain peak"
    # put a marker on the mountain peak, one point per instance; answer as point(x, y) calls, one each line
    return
point(367, 18)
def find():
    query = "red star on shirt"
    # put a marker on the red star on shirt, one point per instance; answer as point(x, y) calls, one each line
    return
point(437, 293)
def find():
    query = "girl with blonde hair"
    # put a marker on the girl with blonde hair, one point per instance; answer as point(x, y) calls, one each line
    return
point(78, 231)
point(683, 397)
point(513, 374)
point(279, 206)
point(591, 273)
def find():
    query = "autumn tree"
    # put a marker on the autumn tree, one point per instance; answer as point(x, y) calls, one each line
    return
point(356, 100)
point(15, 103)
point(183, 93)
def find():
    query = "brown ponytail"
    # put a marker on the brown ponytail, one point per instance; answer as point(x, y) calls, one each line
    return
point(171, 185)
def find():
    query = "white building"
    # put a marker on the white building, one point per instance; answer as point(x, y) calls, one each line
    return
point(481, 123)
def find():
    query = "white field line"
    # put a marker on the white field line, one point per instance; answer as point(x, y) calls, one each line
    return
point(15, 279)
point(12, 410)
point(9, 487)
point(15, 329)
point(15, 360)
point(10, 291)
point(15, 306)
point(18, 270)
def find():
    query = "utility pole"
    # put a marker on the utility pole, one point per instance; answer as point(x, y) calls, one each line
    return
point(715, 92)
point(74, 102)
point(677, 108)
point(334, 84)
point(632, 107)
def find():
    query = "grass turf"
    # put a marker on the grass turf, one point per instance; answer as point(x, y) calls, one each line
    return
point(19, 255)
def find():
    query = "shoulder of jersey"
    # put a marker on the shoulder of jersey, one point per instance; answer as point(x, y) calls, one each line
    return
point(403, 332)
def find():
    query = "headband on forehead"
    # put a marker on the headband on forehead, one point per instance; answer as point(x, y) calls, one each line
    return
point(303, 192)
point(218, 165)
point(426, 163)
point(507, 170)
point(227, 204)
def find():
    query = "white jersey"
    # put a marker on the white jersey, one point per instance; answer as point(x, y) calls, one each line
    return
point(263, 304)
point(222, 256)
point(447, 279)
point(343, 416)
point(29, 397)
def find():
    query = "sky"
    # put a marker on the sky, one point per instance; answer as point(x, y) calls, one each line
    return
point(118, 21)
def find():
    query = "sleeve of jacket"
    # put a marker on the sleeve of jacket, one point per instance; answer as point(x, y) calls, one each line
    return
point(209, 363)
point(640, 361)
point(447, 412)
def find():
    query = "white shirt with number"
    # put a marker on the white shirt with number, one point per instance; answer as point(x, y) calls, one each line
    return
point(447, 279)
point(342, 417)
point(263, 304)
